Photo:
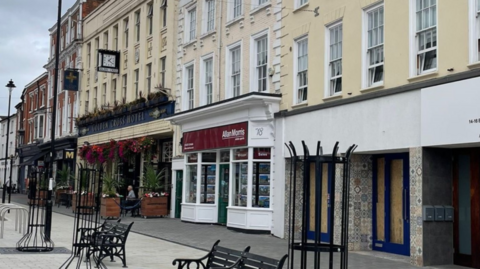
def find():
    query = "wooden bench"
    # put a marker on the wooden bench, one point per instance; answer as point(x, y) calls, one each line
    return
point(254, 261)
point(218, 257)
point(110, 243)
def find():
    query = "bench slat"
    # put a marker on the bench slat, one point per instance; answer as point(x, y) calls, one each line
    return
point(251, 256)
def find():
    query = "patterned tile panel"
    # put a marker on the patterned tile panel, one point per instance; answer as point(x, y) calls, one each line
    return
point(416, 223)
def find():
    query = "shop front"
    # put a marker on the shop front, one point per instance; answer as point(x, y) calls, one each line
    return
point(227, 175)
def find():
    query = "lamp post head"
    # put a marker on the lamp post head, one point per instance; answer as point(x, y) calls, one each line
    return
point(10, 85)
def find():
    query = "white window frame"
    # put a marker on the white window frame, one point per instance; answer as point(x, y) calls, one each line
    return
point(163, 71)
point(206, 18)
point(328, 79)
point(125, 32)
point(42, 96)
point(190, 34)
point(186, 98)
point(295, 69)
point(253, 60)
point(203, 79)
point(104, 95)
point(474, 31)
point(300, 3)
point(414, 40)
point(136, 77)
point(259, 4)
point(115, 36)
point(228, 68)
point(137, 26)
point(124, 86)
point(150, 18)
point(233, 7)
point(114, 90)
point(367, 81)
point(105, 40)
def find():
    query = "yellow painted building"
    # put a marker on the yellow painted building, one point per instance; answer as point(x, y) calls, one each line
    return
point(401, 80)
point(143, 34)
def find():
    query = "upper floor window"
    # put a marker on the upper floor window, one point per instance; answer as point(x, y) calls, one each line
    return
point(191, 25)
point(207, 80)
point(237, 9)
point(114, 89)
point(89, 55)
point(42, 97)
point(189, 98)
point(209, 15)
point(87, 100)
point(104, 95)
point(474, 36)
point(124, 86)
point(301, 71)
point(148, 78)
point(426, 35)
point(235, 70)
point(334, 53)
point(375, 36)
point(300, 3)
point(164, 13)
point(163, 66)
point(137, 26)
point(95, 95)
point(260, 49)
point(125, 32)
point(105, 40)
point(97, 46)
point(150, 18)
point(135, 82)
point(478, 30)
point(115, 37)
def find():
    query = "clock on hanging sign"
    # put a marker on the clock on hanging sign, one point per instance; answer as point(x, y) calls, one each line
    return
point(108, 61)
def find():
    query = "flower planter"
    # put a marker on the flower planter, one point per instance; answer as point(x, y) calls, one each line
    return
point(109, 207)
point(57, 194)
point(87, 200)
point(154, 206)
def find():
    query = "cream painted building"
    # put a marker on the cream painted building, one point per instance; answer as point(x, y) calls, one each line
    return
point(142, 32)
point(401, 80)
point(227, 88)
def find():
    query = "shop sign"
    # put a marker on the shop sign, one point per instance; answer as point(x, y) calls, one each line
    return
point(130, 119)
point(241, 154)
point(232, 135)
point(192, 158)
point(69, 154)
point(261, 153)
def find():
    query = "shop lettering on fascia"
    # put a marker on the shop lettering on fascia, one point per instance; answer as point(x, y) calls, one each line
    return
point(226, 181)
point(135, 118)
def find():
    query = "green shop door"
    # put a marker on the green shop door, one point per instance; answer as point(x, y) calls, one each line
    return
point(178, 194)
point(223, 197)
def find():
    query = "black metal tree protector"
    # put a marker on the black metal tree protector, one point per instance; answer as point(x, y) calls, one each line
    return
point(36, 239)
point(315, 246)
point(87, 214)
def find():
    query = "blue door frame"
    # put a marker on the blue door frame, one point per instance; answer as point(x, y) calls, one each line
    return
point(324, 237)
point(386, 245)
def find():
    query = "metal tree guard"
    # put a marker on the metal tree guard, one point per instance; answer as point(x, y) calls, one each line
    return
point(315, 246)
point(87, 213)
point(37, 238)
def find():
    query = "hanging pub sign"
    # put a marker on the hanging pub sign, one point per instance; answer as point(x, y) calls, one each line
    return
point(108, 61)
point(70, 80)
point(232, 135)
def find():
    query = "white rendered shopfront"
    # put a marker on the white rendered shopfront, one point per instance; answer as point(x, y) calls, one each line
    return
point(228, 162)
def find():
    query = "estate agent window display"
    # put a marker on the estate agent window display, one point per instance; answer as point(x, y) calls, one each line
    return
point(243, 162)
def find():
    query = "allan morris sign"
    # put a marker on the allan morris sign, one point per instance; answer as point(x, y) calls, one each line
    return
point(232, 135)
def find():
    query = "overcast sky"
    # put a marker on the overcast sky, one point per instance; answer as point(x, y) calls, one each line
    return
point(24, 43)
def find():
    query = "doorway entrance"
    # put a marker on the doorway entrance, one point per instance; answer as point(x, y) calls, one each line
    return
point(391, 204)
point(322, 192)
point(223, 194)
point(466, 203)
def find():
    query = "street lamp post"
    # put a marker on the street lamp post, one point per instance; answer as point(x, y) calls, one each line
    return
point(10, 87)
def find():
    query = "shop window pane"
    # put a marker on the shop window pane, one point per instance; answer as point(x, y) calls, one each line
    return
point(240, 154)
point(261, 153)
point(192, 158)
point(261, 185)
point(191, 184)
point(240, 178)
point(209, 157)
point(225, 156)
point(207, 186)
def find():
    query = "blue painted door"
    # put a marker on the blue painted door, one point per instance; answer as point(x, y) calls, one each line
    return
point(319, 199)
point(391, 203)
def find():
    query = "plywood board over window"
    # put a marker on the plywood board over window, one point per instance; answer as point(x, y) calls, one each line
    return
point(381, 199)
point(312, 197)
point(396, 202)
point(324, 227)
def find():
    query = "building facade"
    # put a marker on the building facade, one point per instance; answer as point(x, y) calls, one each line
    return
point(397, 79)
point(31, 122)
point(228, 74)
point(9, 160)
point(130, 104)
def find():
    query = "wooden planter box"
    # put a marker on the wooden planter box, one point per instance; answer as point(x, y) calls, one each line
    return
point(110, 209)
point(57, 194)
point(154, 206)
point(89, 202)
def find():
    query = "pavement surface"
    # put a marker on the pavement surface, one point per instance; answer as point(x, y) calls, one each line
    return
point(156, 242)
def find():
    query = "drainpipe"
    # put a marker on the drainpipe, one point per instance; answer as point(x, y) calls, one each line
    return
point(219, 45)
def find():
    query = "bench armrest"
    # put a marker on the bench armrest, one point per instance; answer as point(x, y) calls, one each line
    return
point(188, 263)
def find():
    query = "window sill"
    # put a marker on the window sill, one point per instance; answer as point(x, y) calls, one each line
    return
point(300, 105)
point(190, 43)
point(333, 97)
point(430, 74)
point(301, 7)
point(233, 21)
point(372, 88)
point(474, 65)
point(208, 34)
point(257, 9)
